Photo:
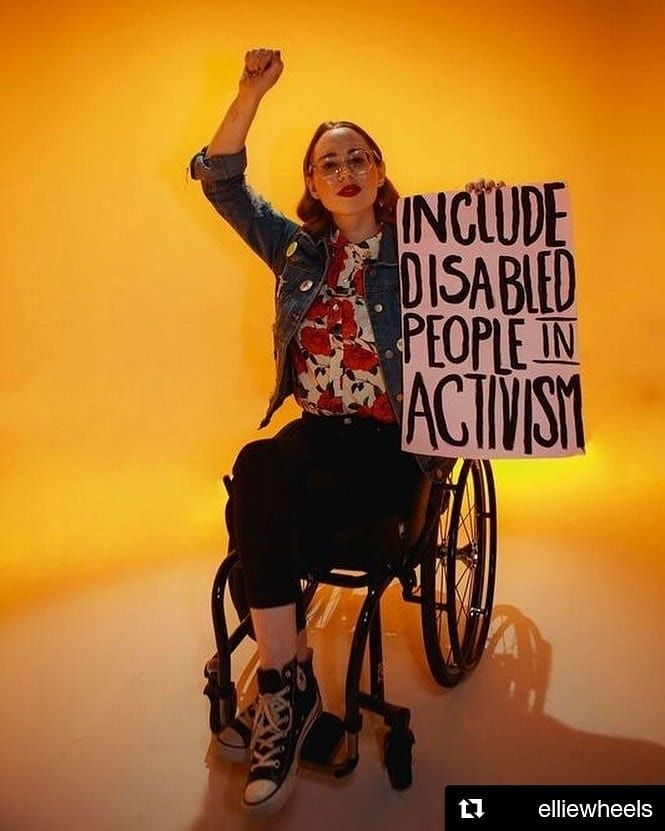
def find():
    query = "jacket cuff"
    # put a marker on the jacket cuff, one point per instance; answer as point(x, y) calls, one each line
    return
point(220, 167)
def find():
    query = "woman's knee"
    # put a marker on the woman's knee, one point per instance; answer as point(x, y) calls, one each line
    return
point(254, 459)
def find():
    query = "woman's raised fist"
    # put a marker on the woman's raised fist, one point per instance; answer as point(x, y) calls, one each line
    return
point(262, 70)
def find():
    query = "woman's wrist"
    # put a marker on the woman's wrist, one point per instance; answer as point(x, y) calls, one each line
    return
point(248, 95)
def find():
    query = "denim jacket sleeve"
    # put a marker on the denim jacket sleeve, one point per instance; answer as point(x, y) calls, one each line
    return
point(264, 229)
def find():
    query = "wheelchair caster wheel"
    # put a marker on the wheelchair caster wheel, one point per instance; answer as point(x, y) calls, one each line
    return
point(223, 701)
point(211, 692)
point(397, 756)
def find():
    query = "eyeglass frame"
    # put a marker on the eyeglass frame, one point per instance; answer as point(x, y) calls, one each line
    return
point(372, 158)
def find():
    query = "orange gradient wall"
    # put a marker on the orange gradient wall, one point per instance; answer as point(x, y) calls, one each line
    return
point(136, 346)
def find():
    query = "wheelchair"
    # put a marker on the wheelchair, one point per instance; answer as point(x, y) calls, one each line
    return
point(449, 570)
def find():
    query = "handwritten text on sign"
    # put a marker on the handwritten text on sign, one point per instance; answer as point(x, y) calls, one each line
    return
point(489, 325)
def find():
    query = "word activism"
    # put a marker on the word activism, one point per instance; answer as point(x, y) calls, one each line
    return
point(535, 412)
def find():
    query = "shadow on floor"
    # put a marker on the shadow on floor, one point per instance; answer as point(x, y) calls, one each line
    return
point(490, 729)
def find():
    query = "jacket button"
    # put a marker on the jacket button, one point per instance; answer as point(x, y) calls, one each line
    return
point(389, 353)
point(399, 344)
point(378, 307)
point(306, 285)
point(291, 250)
point(399, 396)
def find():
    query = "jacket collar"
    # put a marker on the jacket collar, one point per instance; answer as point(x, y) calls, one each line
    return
point(388, 246)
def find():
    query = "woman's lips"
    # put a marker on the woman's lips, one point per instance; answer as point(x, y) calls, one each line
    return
point(349, 190)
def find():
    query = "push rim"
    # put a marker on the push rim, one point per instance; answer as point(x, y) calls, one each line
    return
point(470, 568)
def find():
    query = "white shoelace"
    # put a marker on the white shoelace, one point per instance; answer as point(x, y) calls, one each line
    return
point(271, 724)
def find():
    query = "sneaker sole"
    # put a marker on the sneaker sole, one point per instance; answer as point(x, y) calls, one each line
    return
point(279, 797)
point(232, 753)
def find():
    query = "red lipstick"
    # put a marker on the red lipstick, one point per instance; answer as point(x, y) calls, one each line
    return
point(349, 190)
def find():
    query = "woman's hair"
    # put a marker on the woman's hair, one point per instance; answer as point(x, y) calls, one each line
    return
point(316, 219)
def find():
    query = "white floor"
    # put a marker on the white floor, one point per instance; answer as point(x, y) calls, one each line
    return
point(104, 726)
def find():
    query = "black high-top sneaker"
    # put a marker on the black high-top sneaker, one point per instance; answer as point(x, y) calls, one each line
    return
point(233, 741)
point(289, 703)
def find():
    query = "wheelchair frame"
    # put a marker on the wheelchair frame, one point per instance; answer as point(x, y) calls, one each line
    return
point(456, 547)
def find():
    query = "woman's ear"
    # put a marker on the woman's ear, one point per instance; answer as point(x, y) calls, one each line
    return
point(381, 169)
point(310, 187)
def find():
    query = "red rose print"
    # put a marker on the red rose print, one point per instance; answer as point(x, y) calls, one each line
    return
point(358, 282)
point(316, 341)
point(318, 309)
point(364, 412)
point(356, 357)
point(334, 313)
point(329, 402)
point(342, 312)
point(336, 266)
point(382, 410)
point(299, 363)
point(349, 325)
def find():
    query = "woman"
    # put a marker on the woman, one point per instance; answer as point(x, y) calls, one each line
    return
point(314, 494)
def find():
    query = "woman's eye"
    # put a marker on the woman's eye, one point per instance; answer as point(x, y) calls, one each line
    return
point(356, 162)
point(328, 166)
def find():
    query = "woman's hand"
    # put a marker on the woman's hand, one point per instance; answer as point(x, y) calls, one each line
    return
point(481, 185)
point(262, 70)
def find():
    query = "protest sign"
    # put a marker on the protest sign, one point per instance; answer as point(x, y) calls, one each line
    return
point(489, 323)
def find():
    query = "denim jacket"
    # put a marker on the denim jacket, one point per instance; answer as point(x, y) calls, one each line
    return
point(299, 263)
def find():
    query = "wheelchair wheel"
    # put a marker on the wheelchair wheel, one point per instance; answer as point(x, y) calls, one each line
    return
point(458, 573)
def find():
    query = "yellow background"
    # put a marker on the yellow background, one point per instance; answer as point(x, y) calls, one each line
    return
point(135, 342)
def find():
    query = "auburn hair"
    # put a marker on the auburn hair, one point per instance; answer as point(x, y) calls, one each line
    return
point(316, 219)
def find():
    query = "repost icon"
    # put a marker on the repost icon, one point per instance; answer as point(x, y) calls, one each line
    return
point(471, 808)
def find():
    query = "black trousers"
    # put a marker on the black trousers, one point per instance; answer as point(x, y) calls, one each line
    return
point(326, 491)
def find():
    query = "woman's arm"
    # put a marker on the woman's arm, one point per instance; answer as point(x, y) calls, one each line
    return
point(221, 165)
point(261, 72)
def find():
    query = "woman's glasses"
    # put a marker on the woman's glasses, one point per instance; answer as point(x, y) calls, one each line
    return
point(358, 163)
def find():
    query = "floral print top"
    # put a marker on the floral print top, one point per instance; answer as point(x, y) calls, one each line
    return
point(334, 355)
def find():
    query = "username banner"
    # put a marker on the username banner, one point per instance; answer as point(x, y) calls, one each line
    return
point(554, 806)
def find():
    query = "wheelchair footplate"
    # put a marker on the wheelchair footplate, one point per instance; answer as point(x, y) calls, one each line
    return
point(323, 741)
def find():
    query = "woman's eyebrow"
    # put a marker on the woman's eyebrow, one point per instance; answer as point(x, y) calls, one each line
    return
point(335, 155)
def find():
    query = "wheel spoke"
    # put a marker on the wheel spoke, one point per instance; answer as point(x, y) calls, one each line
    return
point(463, 598)
point(467, 523)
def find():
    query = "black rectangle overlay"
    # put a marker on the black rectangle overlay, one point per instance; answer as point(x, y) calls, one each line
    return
point(554, 807)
